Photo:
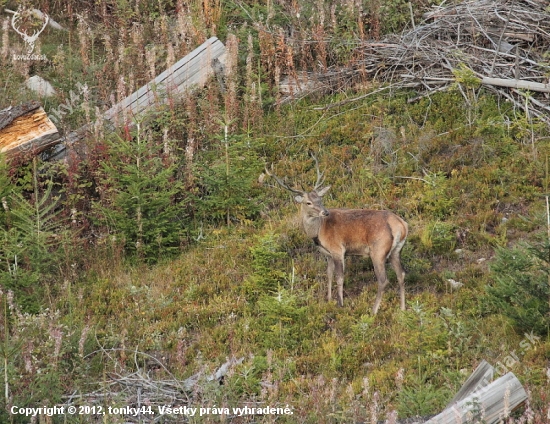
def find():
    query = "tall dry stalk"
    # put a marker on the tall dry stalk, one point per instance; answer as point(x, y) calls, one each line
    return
point(212, 11)
point(170, 55)
point(191, 142)
point(249, 82)
point(83, 31)
point(231, 78)
point(151, 59)
point(137, 39)
point(5, 39)
point(120, 62)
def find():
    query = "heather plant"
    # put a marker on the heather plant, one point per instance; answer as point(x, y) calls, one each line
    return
point(37, 352)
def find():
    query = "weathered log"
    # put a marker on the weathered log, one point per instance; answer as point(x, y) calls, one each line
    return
point(514, 83)
point(480, 378)
point(26, 130)
point(491, 403)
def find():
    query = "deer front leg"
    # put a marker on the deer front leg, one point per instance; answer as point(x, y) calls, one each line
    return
point(330, 275)
point(339, 269)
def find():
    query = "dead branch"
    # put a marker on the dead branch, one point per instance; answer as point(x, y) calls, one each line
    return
point(503, 43)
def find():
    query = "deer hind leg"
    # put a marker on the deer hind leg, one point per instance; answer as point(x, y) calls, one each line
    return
point(380, 271)
point(395, 260)
point(396, 264)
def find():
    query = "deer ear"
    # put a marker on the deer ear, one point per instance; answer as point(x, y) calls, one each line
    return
point(299, 199)
point(323, 191)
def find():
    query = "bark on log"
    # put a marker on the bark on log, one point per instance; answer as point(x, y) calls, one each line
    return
point(26, 130)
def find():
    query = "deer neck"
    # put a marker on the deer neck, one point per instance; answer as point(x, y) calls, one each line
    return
point(312, 225)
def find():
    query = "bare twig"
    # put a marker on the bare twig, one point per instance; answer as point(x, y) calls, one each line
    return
point(470, 33)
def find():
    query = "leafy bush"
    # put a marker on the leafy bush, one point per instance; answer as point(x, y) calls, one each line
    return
point(438, 237)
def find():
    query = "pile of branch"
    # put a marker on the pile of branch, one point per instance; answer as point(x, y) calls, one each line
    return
point(143, 390)
point(502, 42)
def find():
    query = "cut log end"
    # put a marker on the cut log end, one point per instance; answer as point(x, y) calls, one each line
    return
point(26, 131)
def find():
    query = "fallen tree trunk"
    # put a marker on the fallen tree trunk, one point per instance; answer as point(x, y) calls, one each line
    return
point(479, 379)
point(489, 404)
point(514, 83)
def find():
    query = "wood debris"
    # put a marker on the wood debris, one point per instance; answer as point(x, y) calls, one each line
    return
point(502, 44)
point(26, 130)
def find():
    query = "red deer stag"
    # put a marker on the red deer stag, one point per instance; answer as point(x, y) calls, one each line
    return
point(354, 232)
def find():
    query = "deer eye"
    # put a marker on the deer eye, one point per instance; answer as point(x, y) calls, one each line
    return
point(309, 203)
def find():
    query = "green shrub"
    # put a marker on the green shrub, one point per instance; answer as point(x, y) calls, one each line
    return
point(521, 290)
point(31, 234)
point(267, 275)
point(227, 182)
point(142, 201)
point(421, 397)
point(438, 237)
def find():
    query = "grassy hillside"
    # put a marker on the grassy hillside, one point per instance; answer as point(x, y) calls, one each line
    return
point(143, 266)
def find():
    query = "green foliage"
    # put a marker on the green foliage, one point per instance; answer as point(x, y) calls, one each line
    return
point(281, 319)
point(521, 287)
point(30, 242)
point(458, 333)
point(438, 237)
point(466, 76)
point(423, 329)
point(228, 189)
point(141, 201)
point(420, 396)
point(6, 189)
point(438, 200)
point(267, 275)
point(247, 381)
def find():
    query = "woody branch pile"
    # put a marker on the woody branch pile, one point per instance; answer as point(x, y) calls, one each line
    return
point(502, 44)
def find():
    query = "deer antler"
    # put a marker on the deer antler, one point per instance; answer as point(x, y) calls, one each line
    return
point(320, 175)
point(282, 184)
